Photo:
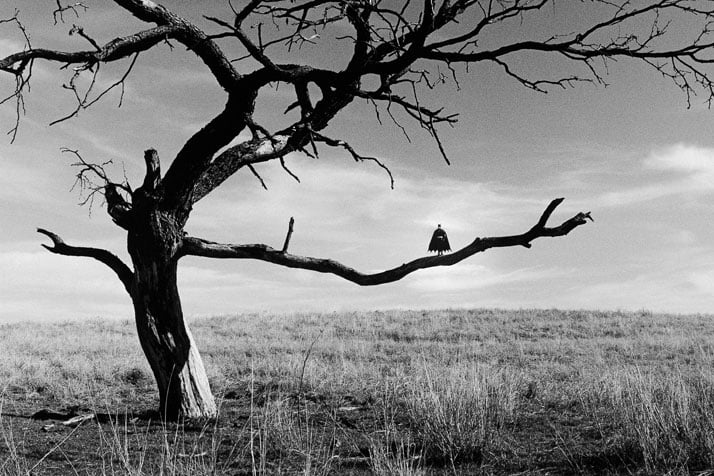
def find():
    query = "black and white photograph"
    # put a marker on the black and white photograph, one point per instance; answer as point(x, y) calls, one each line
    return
point(356, 237)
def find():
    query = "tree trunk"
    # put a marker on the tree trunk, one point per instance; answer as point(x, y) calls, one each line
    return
point(166, 340)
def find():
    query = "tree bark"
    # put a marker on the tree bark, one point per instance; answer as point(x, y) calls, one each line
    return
point(167, 342)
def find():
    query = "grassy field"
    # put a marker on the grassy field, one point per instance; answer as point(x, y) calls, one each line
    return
point(402, 392)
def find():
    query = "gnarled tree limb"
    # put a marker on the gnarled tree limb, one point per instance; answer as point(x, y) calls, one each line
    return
point(189, 35)
point(199, 247)
point(114, 50)
point(229, 161)
point(126, 276)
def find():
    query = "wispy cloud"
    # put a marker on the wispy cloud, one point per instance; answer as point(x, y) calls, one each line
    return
point(466, 277)
point(682, 293)
point(347, 211)
point(681, 169)
point(42, 286)
point(9, 46)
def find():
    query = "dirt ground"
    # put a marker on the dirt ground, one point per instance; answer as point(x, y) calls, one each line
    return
point(550, 440)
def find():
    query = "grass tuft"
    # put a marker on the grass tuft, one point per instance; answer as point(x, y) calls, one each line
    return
point(667, 419)
point(458, 414)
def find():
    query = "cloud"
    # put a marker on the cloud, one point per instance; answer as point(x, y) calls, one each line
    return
point(10, 46)
point(685, 158)
point(464, 277)
point(685, 292)
point(682, 169)
point(345, 192)
point(20, 183)
point(179, 78)
point(42, 286)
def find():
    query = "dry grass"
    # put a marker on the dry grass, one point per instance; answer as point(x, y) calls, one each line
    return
point(667, 420)
point(458, 413)
point(403, 392)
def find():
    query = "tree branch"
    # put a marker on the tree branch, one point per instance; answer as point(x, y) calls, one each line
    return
point(116, 49)
point(126, 276)
point(86, 180)
point(190, 36)
point(83, 100)
point(357, 157)
point(228, 162)
point(288, 235)
point(74, 8)
point(199, 247)
point(168, 26)
point(196, 156)
point(23, 73)
point(254, 50)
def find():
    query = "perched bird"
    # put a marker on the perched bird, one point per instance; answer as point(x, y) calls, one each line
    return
point(439, 241)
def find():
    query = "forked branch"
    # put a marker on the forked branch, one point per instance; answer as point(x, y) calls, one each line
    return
point(126, 276)
point(199, 247)
point(93, 179)
point(22, 72)
point(83, 99)
point(58, 14)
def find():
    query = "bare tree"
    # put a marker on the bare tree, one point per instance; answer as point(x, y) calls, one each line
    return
point(407, 46)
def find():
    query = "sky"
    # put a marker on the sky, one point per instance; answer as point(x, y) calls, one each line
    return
point(632, 153)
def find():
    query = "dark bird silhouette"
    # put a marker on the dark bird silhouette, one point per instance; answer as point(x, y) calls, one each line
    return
point(439, 241)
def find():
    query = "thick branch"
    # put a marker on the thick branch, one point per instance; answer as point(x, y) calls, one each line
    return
point(169, 26)
point(199, 247)
point(112, 51)
point(195, 156)
point(263, 149)
point(258, 150)
point(126, 276)
point(189, 35)
point(211, 173)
